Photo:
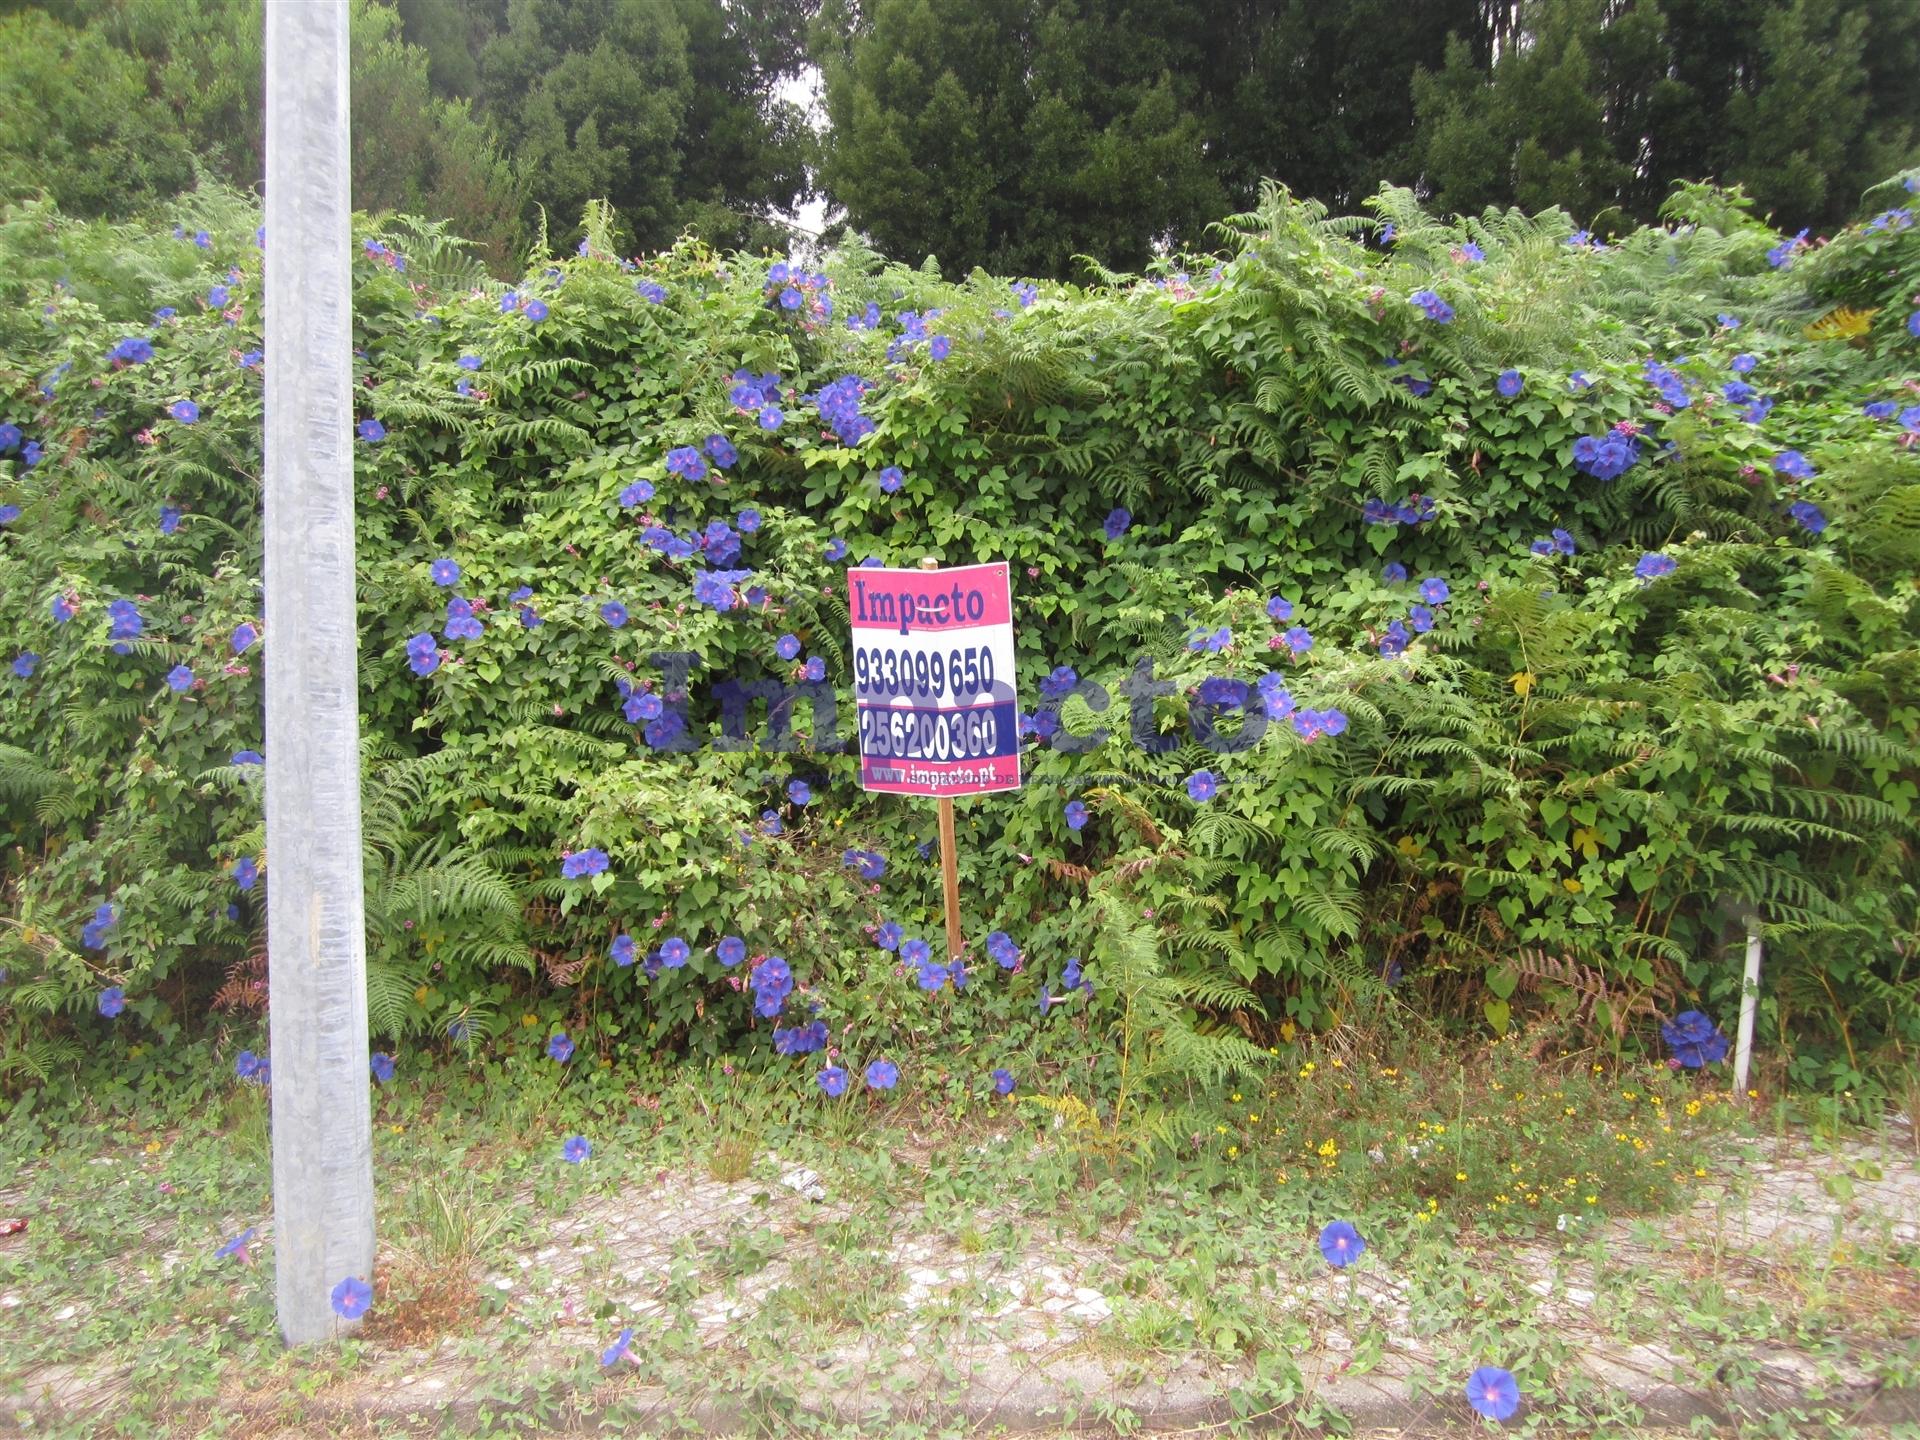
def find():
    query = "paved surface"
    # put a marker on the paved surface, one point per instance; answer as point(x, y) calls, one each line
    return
point(1034, 1339)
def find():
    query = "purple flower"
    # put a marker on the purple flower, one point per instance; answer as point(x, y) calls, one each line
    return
point(468, 362)
point(787, 647)
point(887, 937)
point(623, 1342)
point(1694, 1039)
point(371, 431)
point(623, 951)
point(444, 572)
point(461, 624)
point(575, 1150)
point(614, 613)
point(244, 634)
point(24, 664)
point(771, 417)
point(63, 608)
point(1298, 640)
point(1003, 1082)
point(352, 1298)
point(1341, 1244)
point(882, 1075)
point(1510, 383)
point(423, 654)
point(1809, 515)
point(1743, 364)
point(134, 350)
point(1201, 786)
point(169, 519)
point(112, 1001)
point(836, 549)
point(799, 792)
point(1792, 462)
point(245, 872)
point(638, 493)
point(731, 951)
point(9, 514)
point(1434, 590)
point(179, 678)
point(1119, 521)
point(185, 411)
point(749, 522)
point(1493, 1392)
point(940, 347)
point(1393, 572)
point(892, 478)
point(534, 310)
point(673, 954)
point(1076, 816)
point(685, 462)
point(1436, 309)
point(237, 1246)
point(381, 1064)
point(816, 668)
point(247, 757)
point(582, 863)
point(1002, 950)
point(1420, 617)
point(1652, 566)
point(560, 1047)
point(1279, 610)
point(832, 1080)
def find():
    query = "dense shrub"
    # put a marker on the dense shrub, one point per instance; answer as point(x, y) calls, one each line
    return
point(1671, 679)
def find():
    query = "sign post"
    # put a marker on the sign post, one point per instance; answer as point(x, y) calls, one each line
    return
point(933, 692)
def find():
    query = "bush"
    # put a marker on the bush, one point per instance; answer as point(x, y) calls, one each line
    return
point(1560, 787)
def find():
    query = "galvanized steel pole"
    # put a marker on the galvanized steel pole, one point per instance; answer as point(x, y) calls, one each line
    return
point(316, 939)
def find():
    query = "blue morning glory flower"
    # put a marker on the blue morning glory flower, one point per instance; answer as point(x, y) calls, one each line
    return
point(1002, 950)
point(816, 669)
point(1003, 1081)
point(1420, 617)
point(833, 1081)
point(560, 1047)
point(1201, 786)
point(170, 516)
point(381, 1064)
point(1809, 515)
point(1728, 322)
point(638, 493)
point(674, 953)
point(1436, 309)
point(1510, 383)
point(1434, 590)
point(1118, 523)
point(217, 298)
point(1694, 1039)
point(1792, 462)
point(748, 521)
point(591, 861)
point(1393, 572)
point(870, 863)
point(1880, 409)
point(685, 462)
point(1341, 1244)
point(771, 417)
point(887, 937)
point(244, 634)
point(1298, 640)
point(1744, 364)
point(940, 347)
point(237, 1246)
point(9, 514)
point(444, 572)
point(787, 647)
point(1076, 815)
point(25, 663)
point(1493, 1392)
point(892, 478)
point(1059, 682)
point(575, 1150)
point(245, 872)
point(614, 613)
point(134, 350)
point(731, 951)
point(202, 239)
point(185, 411)
point(623, 950)
point(352, 1298)
point(770, 823)
point(1279, 610)
point(1471, 251)
point(882, 1075)
point(623, 1342)
point(836, 549)
point(1563, 542)
point(371, 431)
point(423, 654)
point(179, 678)
point(1652, 566)
point(799, 792)
point(468, 362)
point(534, 310)
point(112, 1001)
point(461, 623)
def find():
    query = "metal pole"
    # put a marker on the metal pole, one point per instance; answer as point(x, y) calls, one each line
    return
point(316, 940)
point(949, 852)
point(1749, 1001)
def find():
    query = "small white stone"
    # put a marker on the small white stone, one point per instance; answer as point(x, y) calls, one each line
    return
point(503, 1284)
point(66, 1312)
point(1094, 1309)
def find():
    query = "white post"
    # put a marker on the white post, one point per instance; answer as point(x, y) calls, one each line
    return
point(316, 939)
point(1749, 999)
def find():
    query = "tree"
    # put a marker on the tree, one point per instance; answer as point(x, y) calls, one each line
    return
point(77, 122)
point(1011, 134)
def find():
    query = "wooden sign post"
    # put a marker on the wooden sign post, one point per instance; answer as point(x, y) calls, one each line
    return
point(933, 691)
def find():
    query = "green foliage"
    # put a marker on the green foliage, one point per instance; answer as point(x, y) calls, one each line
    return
point(1554, 810)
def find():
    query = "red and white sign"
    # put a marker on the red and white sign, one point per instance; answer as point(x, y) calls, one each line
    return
point(933, 680)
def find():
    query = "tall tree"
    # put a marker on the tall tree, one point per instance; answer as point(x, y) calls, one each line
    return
point(1011, 134)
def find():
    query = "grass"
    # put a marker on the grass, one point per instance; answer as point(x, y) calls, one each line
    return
point(1454, 1167)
